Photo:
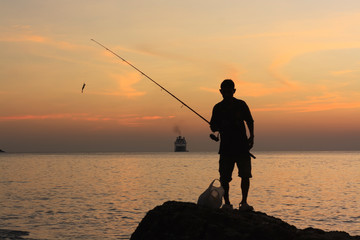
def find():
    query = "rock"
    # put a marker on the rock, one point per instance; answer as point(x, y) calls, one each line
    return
point(13, 235)
point(181, 220)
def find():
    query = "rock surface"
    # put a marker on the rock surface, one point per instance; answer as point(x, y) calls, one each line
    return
point(13, 235)
point(180, 220)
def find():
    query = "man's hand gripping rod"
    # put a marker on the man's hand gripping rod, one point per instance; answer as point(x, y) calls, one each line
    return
point(212, 136)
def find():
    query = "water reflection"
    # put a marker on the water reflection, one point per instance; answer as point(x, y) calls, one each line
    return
point(67, 196)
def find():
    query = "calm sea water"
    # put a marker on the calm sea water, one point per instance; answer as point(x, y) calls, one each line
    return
point(104, 196)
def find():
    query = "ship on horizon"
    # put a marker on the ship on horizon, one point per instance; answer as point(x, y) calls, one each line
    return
point(180, 144)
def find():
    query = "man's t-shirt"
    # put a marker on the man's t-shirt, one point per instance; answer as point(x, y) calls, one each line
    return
point(228, 118)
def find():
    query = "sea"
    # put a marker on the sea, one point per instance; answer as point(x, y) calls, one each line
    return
point(106, 195)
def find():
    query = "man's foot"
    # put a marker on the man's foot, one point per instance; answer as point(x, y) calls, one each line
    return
point(244, 207)
point(227, 207)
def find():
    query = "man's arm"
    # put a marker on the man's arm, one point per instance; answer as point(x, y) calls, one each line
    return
point(214, 126)
point(250, 125)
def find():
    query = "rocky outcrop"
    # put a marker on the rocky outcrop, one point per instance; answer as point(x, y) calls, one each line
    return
point(13, 235)
point(180, 221)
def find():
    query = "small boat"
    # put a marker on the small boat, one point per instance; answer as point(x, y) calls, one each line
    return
point(180, 144)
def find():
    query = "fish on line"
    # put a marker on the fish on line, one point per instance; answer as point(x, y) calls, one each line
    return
point(82, 89)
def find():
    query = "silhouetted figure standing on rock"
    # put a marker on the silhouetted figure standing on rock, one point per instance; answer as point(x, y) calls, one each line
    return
point(228, 119)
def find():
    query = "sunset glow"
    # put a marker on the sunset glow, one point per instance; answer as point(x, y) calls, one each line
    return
point(296, 64)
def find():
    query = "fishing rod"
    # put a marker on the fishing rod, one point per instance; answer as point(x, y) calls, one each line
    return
point(212, 136)
point(184, 104)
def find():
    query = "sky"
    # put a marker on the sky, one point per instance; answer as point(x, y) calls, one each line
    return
point(295, 63)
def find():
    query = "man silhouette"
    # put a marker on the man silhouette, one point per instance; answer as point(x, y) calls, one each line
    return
point(228, 119)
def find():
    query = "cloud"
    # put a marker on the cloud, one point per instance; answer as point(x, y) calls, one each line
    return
point(331, 33)
point(126, 83)
point(310, 107)
point(23, 38)
point(86, 117)
point(278, 34)
point(20, 34)
point(125, 87)
point(255, 89)
point(260, 89)
point(343, 72)
point(155, 51)
point(211, 90)
point(142, 120)
point(155, 117)
point(34, 117)
point(325, 102)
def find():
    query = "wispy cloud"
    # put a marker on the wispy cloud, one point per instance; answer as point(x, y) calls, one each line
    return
point(325, 102)
point(155, 51)
point(310, 107)
point(332, 33)
point(34, 117)
point(343, 72)
point(125, 86)
point(141, 120)
point(121, 119)
point(20, 34)
point(256, 89)
point(212, 90)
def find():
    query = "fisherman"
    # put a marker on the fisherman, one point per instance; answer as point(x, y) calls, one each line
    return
point(228, 119)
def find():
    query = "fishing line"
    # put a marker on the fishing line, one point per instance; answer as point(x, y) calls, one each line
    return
point(162, 88)
point(212, 136)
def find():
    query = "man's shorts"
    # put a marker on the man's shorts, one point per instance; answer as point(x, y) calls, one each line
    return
point(227, 163)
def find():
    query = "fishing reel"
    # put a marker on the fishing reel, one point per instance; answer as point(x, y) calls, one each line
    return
point(215, 138)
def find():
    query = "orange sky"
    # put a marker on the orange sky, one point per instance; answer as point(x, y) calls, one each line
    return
point(296, 64)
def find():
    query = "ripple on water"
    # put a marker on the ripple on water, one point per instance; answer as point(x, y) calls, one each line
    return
point(74, 196)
